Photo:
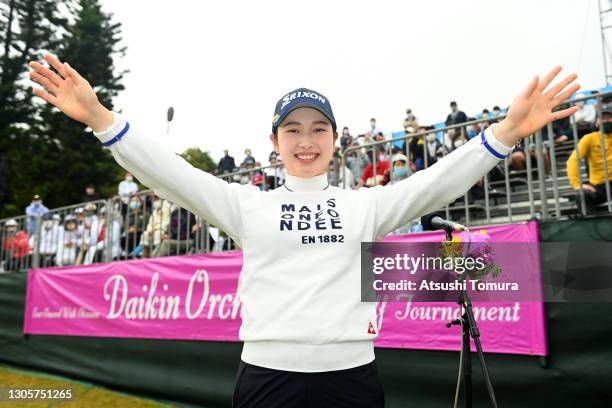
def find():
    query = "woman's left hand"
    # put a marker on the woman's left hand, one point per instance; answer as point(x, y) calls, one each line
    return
point(532, 109)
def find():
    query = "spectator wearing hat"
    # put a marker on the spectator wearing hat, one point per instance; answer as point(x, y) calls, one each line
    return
point(16, 248)
point(35, 209)
point(275, 175)
point(399, 170)
point(410, 121)
point(49, 239)
point(69, 240)
point(91, 230)
point(248, 158)
point(226, 163)
point(590, 148)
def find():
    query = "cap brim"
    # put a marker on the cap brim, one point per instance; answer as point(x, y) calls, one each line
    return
point(282, 117)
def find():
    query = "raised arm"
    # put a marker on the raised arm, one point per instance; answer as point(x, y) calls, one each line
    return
point(449, 178)
point(166, 173)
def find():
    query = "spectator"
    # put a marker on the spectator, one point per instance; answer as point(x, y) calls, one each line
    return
point(275, 176)
point(356, 160)
point(561, 129)
point(453, 139)
point(156, 227)
point(456, 116)
point(585, 118)
point(90, 194)
point(344, 175)
point(485, 116)
point(49, 239)
point(518, 158)
point(410, 121)
point(36, 208)
point(496, 112)
point(127, 187)
point(257, 178)
point(68, 241)
point(226, 164)
point(590, 148)
point(346, 139)
point(371, 178)
point(180, 234)
point(430, 146)
point(114, 240)
point(373, 129)
point(90, 225)
point(133, 227)
point(16, 247)
point(399, 171)
point(248, 159)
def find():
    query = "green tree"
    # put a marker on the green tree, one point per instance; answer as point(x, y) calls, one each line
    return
point(59, 157)
point(199, 159)
point(26, 26)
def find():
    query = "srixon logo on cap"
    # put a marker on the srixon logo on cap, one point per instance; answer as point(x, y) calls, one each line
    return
point(301, 94)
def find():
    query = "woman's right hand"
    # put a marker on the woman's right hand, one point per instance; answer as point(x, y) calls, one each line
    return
point(70, 93)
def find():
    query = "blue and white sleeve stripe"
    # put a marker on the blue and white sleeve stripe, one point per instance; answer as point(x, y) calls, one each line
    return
point(494, 146)
point(115, 132)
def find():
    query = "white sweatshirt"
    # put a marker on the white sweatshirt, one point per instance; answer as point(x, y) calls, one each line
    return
point(300, 284)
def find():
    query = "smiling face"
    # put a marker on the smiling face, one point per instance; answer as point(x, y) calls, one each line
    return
point(305, 140)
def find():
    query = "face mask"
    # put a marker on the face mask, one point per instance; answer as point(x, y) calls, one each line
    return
point(496, 113)
point(400, 172)
point(156, 204)
point(431, 138)
point(373, 124)
point(11, 231)
point(129, 178)
point(134, 205)
point(48, 224)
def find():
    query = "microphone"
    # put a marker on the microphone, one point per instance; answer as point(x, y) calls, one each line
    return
point(433, 221)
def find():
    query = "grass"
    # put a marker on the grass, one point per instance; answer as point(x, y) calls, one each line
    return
point(84, 394)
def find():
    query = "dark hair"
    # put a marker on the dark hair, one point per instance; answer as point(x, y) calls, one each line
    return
point(485, 111)
point(496, 107)
point(453, 103)
point(373, 119)
point(346, 127)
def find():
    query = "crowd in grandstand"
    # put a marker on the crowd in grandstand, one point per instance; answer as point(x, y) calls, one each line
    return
point(143, 225)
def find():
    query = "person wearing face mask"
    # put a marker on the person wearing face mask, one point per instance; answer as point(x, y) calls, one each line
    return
point(91, 230)
point(127, 187)
point(418, 148)
point(133, 225)
point(374, 130)
point(69, 239)
point(399, 170)
point(346, 139)
point(15, 247)
point(35, 209)
point(585, 118)
point(369, 177)
point(49, 238)
point(157, 226)
point(308, 339)
point(590, 148)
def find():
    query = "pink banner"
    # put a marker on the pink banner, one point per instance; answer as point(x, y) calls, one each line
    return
point(193, 298)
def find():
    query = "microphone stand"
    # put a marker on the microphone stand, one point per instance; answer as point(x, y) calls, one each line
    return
point(469, 328)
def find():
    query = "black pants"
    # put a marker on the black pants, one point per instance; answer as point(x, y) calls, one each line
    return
point(260, 387)
point(592, 200)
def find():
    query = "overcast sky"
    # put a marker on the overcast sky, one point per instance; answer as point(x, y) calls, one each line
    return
point(223, 65)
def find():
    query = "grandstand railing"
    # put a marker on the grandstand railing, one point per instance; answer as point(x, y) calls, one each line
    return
point(516, 196)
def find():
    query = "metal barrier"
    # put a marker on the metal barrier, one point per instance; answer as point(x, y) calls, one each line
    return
point(107, 230)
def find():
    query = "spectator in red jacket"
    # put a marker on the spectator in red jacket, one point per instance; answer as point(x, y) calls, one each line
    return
point(369, 178)
point(16, 247)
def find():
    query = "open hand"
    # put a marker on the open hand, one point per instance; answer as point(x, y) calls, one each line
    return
point(532, 109)
point(68, 91)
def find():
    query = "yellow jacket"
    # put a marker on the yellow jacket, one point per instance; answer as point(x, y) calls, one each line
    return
point(590, 147)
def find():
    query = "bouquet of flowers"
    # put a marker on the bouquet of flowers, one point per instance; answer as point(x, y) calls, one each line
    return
point(472, 245)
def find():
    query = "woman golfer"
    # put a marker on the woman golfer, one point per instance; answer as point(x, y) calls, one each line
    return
point(308, 340)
